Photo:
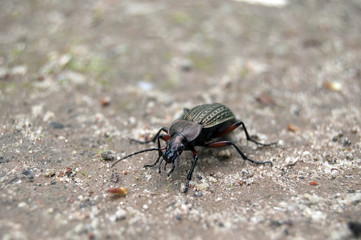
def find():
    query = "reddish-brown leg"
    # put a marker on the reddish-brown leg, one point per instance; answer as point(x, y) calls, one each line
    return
point(236, 125)
point(229, 143)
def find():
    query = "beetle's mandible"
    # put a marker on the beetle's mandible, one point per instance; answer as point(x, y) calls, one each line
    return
point(199, 126)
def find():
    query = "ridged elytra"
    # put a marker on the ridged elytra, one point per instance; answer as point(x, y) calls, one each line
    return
point(198, 126)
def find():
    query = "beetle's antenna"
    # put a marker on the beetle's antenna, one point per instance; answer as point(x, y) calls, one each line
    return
point(135, 153)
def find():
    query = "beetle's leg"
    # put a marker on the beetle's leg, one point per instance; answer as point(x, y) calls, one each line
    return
point(172, 169)
point(153, 164)
point(189, 176)
point(229, 143)
point(160, 153)
point(163, 129)
point(160, 164)
point(236, 125)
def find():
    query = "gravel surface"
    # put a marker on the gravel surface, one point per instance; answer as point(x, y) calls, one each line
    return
point(79, 79)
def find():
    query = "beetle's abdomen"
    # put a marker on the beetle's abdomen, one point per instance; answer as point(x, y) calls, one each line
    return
point(209, 115)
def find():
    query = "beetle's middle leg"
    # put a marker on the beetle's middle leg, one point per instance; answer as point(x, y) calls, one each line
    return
point(236, 125)
point(229, 143)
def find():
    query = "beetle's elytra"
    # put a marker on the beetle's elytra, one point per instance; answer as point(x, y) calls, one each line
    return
point(199, 126)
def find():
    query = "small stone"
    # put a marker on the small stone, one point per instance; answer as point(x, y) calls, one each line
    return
point(198, 194)
point(346, 142)
point(334, 173)
point(290, 161)
point(105, 101)
point(224, 154)
point(28, 175)
point(292, 128)
point(333, 85)
point(23, 205)
point(108, 155)
point(114, 177)
point(202, 186)
point(355, 130)
point(265, 99)
point(120, 214)
point(49, 173)
point(56, 125)
point(212, 179)
point(48, 116)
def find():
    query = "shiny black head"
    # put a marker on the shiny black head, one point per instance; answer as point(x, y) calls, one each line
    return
point(174, 148)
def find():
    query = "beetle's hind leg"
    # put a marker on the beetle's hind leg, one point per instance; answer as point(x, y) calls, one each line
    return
point(236, 125)
point(229, 143)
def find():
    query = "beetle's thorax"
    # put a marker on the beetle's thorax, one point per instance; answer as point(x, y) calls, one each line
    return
point(174, 147)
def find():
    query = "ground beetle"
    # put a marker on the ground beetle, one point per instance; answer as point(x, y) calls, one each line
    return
point(196, 127)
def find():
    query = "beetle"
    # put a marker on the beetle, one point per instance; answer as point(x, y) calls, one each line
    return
point(199, 126)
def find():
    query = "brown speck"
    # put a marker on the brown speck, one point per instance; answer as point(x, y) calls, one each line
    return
point(265, 99)
point(91, 236)
point(292, 128)
point(118, 191)
point(333, 85)
point(313, 183)
point(105, 101)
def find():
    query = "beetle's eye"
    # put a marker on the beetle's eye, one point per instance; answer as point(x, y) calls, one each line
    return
point(182, 146)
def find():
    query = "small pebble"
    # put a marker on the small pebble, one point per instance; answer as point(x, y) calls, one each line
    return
point(107, 155)
point(49, 173)
point(115, 177)
point(292, 128)
point(105, 101)
point(56, 125)
point(265, 99)
point(333, 85)
point(120, 214)
point(202, 186)
point(198, 194)
point(346, 142)
point(224, 154)
point(23, 205)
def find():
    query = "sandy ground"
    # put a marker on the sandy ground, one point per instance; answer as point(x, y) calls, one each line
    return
point(78, 79)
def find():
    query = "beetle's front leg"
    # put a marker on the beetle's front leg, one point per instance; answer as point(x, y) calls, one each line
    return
point(164, 137)
point(189, 176)
point(163, 129)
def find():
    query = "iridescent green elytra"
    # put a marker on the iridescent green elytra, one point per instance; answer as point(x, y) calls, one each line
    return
point(209, 115)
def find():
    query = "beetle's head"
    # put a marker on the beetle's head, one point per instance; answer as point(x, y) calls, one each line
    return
point(174, 148)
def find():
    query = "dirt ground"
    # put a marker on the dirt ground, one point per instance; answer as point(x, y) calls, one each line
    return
point(81, 78)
